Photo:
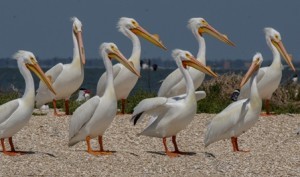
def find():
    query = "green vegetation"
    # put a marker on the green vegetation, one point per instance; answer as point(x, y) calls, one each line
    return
point(73, 104)
point(218, 91)
point(135, 98)
point(6, 96)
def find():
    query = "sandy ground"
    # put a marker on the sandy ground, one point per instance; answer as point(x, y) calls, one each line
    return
point(274, 151)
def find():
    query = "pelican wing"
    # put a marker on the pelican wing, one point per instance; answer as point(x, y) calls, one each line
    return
point(43, 93)
point(225, 121)
point(54, 72)
point(170, 81)
point(146, 106)
point(7, 109)
point(199, 95)
point(102, 81)
point(82, 115)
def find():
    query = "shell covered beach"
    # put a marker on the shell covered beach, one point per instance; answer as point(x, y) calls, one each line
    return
point(273, 144)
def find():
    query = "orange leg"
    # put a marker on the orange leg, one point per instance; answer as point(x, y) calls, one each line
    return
point(12, 153)
point(175, 145)
point(168, 153)
point(267, 107)
point(123, 106)
point(267, 104)
point(90, 151)
point(12, 148)
point(89, 148)
point(235, 145)
point(67, 107)
point(102, 151)
point(54, 107)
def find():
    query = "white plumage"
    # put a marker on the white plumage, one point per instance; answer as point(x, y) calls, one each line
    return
point(66, 78)
point(168, 116)
point(174, 83)
point(124, 80)
point(93, 117)
point(15, 114)
point(239, 116)
point(268, 78)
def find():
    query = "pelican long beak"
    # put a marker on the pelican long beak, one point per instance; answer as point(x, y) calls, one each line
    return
point(40, 73)
point(116, 54)
point(280, 47)
point(193, 62)
point(212, 31)
point(253, 68)
point(154, 39)
point(80, 46)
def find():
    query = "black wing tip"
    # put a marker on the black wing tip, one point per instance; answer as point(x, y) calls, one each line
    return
point(136, 117)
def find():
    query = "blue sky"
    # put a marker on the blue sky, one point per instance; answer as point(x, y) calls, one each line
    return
point(44, 27)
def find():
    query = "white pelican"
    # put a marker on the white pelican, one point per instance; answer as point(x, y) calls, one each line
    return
point(15, 114)
point(65, 78)
point(171, 115)
point(268, 78)
point(239, 116)
point(124, 80)
point(174, 83)
point(93, 117)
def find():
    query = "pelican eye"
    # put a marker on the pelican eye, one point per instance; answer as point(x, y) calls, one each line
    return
point(113, 47)
point(134, 23)
point(32, 60)
point(187, 55)
point(276, 37)
point(203, 22)
point(75, 28)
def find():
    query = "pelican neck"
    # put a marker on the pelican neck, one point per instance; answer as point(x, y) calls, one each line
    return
point(136, 49)
point(29, 84)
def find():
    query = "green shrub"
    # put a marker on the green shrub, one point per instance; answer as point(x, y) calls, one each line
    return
point(133, 100)
point(218, 91)
point(8, 96)
point(73, 104)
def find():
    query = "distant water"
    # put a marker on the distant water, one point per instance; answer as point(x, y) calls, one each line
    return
point(150, 80)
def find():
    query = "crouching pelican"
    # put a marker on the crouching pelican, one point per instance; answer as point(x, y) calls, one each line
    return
point(65, 78)
point(124, 80)
point(174, 84)
point(171, 115)
point(93, 117)
point(268, 78)
point(239, 116)
point(15, 114)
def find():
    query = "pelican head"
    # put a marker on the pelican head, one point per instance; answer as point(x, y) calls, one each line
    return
point(31, 63)
point(201, 25)
point(187, 59)
point(256, 62)
point(112, 51)
point(77, 30)
point(274, 37)
point(132, 25)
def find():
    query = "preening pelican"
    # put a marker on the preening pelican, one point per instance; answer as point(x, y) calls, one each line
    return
point(239, 116)
point(65, 78)
point(268, 78)
point(15, 114)
point(171, 115)
point(93, 117)
point(174, 83)
point(124, 80)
